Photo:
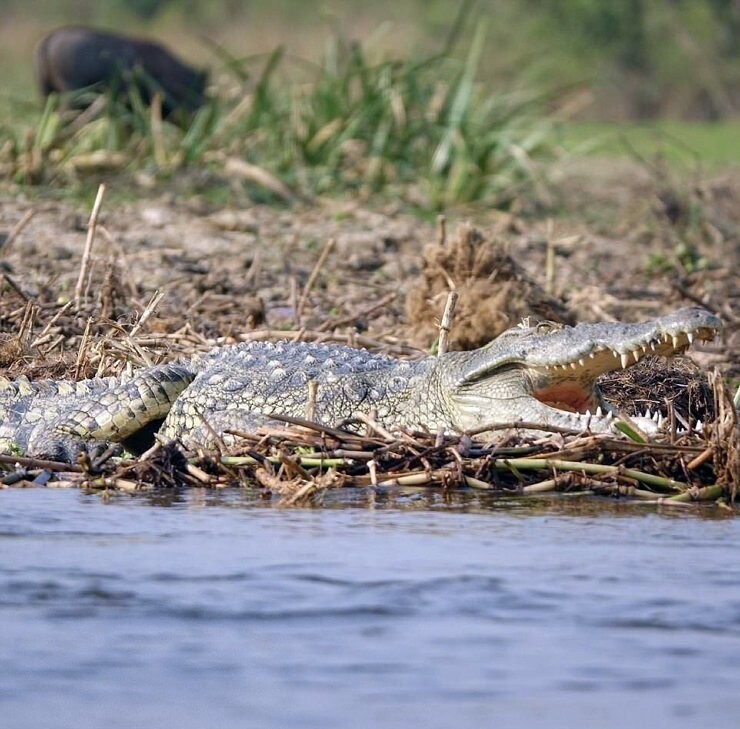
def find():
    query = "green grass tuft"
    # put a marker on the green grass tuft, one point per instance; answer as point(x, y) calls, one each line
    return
point(353, 125)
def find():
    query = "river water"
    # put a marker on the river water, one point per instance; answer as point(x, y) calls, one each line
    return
point(217, 609)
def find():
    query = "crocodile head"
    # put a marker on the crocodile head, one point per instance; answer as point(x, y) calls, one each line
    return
point(546, 373)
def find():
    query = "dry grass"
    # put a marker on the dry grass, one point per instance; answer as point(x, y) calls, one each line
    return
point(495, 292)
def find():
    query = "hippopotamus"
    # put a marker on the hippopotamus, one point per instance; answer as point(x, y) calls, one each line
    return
point(73, 58)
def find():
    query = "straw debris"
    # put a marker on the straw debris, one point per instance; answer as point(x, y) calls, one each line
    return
point(494, 291)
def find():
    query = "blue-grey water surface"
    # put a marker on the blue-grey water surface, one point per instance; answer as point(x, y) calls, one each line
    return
point(218, 610)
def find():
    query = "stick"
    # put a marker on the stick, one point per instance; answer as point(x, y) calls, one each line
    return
point(150, 307)
point(550, 260)
point(444, 334)
point(17, 228)
point(36, 342)
point(13, 285)
point(329, 325)
point(441, 230)
point(559, 465)
point(33, 463)
point(446, 323)
point(313, 391)
point(83, 348)
point(85, 265)
point(312, 278)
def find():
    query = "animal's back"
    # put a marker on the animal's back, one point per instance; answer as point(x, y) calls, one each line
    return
point(238, 387)
point(74, 58)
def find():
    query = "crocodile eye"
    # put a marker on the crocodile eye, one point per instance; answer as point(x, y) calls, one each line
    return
point(547, 327)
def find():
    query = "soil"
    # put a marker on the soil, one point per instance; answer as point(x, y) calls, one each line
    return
point(622, 243)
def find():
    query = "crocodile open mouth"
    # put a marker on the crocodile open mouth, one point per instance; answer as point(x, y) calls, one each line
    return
point(571, 386)
point(569, 396)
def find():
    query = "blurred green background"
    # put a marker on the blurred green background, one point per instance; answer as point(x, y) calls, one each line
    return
point(633, 59)
point(635, 76)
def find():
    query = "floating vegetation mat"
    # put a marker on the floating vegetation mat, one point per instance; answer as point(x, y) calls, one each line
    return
point(299, 461)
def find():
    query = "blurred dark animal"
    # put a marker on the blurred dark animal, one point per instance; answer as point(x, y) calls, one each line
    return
point(73, 58)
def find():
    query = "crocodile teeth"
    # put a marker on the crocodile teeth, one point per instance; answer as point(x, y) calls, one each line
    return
point(635, 355)
point(599, 412)
point(652, 345)
point(656, 416)
point(625, 361)
point(609, 414)
point(615, 354)
point(573, 366)
point(591, 355)
point(581, 362)
point(674, 338)
point(690, 337)
point(699, 427)
point(648, 414)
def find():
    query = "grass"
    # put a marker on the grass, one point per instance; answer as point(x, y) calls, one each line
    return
point(348, 125)
point(714, 145)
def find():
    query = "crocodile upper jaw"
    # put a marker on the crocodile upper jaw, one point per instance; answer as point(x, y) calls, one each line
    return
point(571, 385)
point(551, 377)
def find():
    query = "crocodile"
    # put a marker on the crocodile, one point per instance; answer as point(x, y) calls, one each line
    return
point(536, 375)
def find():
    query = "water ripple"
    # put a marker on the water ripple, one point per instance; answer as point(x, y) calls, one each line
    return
point(215, 610)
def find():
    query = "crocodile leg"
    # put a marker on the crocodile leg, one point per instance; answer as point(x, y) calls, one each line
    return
point(112, 415)
point(121, 411)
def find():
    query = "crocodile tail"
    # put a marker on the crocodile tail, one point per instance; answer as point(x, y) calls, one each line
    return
point(126, 408)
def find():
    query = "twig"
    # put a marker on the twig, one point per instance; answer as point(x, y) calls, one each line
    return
point(33, 463)
point(13, 285)
point(313, 391)
point(521, 425)
point(310, 425)
point(541, 487)
point(373, 426)
point(312, 277)
point(446, 322)
point(326, 481)
point(441, 230)
point(550, 260)
point(83, 348)
point(707, 493)
point(199, 474)
point(16, 230)
point(330, 324)
point(50, 324)
point(85, 264)
point(372, 470)
point(476, 483)
point(445, 325)
point(702, 458)
point(235, 167)
point(150, 308)
point(557, 464)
